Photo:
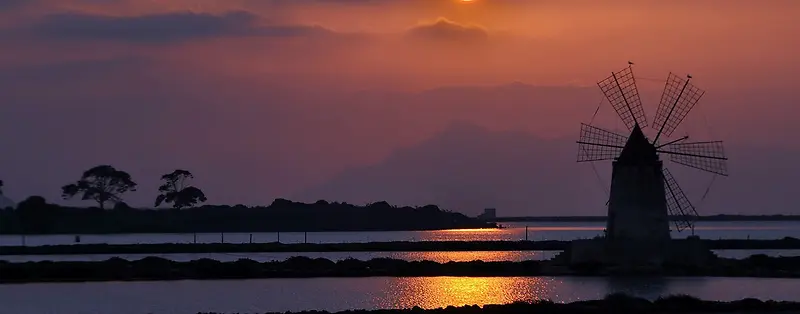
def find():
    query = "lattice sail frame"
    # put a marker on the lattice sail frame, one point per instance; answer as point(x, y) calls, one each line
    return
point(678, 98)
point(597, 144)
point(706, 156)
point(621, 92)
point(678, 203)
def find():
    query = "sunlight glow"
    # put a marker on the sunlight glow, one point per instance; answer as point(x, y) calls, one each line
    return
point(434, 292)
point(473, 230)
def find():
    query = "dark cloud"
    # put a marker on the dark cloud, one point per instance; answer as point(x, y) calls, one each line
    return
point(164, 28)
point(444, 29)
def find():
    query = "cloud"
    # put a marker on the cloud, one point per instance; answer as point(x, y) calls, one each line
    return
point(444, 29)
point(166, 27)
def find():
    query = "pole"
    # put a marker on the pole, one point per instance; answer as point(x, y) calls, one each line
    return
point(221, 237)
point(526, 233)
point(279, 237)
point(251, 238)
point(195, 237)
point(305, 237)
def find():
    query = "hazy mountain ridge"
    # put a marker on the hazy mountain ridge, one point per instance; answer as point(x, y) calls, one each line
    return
point(467, 168)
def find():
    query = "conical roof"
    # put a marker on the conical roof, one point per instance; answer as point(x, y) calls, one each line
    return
point(637, 149)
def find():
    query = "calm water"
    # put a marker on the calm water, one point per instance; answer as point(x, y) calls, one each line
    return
point(515, 231)
point(251, 296)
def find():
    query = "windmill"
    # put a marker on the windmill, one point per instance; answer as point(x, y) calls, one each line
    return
point(643, 192)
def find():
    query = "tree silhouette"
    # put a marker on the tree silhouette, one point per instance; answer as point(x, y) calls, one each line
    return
point(1, 187)
point(176, 190)
point(102, 184)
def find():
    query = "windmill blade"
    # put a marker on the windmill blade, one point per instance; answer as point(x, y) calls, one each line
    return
point(597, 144)
point(621, 92)
point(706, 156)
point(680, 208)
point(678, 98)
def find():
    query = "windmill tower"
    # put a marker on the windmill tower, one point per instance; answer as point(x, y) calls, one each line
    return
point(644, 194)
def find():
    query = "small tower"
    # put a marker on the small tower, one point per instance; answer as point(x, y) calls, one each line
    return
point(637, 207)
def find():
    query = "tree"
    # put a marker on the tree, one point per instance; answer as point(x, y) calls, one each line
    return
point(176, 190)
point(36, 215)
point(1, 187)
point(102, 184)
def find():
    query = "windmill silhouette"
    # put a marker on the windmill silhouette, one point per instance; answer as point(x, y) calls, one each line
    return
point(644, 194)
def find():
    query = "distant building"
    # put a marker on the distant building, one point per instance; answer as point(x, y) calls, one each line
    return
point(488, 214)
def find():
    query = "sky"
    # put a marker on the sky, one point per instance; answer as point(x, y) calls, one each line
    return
point(463, 104)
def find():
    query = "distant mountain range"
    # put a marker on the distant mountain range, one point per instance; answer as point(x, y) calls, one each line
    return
point(467, 168)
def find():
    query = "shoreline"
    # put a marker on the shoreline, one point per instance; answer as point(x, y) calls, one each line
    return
point(614, 303)
point(159, 269)
point(397, 246)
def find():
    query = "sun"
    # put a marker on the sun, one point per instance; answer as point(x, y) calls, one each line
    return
point(465, 1)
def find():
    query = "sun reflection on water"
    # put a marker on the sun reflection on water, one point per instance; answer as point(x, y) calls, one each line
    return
point(468, 256)
point(434, 292)
point(475, 230)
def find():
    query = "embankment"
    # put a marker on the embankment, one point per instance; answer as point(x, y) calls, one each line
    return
point(615, 303)
point(421, 246)
point(155, 268)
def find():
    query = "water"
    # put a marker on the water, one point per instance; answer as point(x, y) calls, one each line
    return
point(514, 232)
point(335, 294)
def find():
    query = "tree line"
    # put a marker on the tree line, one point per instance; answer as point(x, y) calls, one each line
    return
point(105, 184)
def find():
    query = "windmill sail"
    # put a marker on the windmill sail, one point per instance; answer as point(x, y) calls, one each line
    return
point(706, 156)
point(598, 144)
point(678, 98)
point(678, 204)
point(621, 92)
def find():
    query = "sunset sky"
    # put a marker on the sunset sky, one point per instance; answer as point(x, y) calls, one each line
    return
point(351, 100)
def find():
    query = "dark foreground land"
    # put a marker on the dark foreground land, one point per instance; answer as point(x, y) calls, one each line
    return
point(155, 268)
point(400, 246)
point(616, 303)
point(35, 216)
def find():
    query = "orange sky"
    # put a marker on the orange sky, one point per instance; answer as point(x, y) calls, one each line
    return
point(727, 43)
point(234, 80)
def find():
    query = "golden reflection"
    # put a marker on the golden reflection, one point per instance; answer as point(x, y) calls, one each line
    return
point(468, 256)
point(473, 230)
point(434, 292)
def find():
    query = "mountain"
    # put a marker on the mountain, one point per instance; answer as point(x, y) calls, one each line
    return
point(467, 168)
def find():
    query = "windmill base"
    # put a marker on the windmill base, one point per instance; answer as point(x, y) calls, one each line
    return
point(630, 253)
